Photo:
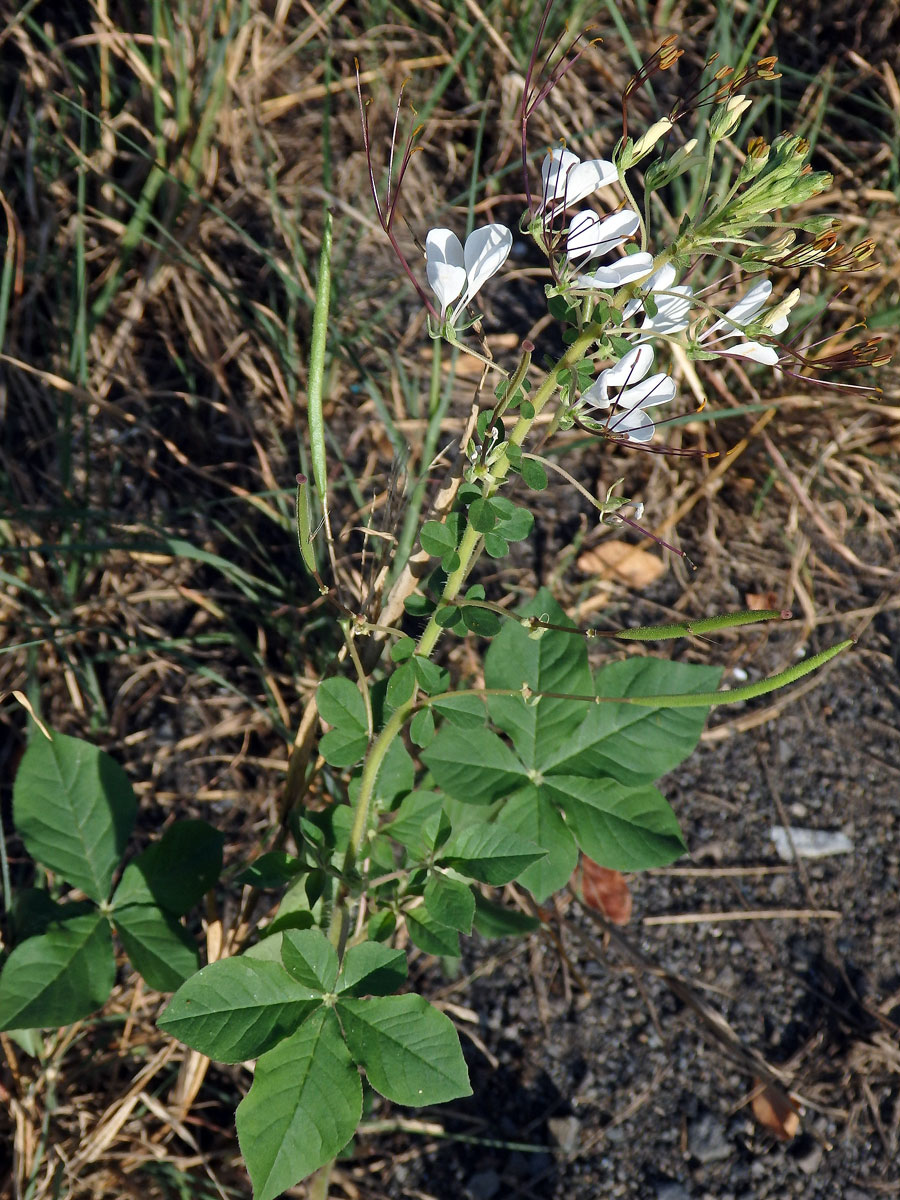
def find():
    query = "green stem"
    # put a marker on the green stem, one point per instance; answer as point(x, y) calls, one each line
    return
point(471, 538)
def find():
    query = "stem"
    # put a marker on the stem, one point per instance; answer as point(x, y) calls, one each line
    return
point(471, 537)
point(317, 1188)
point(375, 758)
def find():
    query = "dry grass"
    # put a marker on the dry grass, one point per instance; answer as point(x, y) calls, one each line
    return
point(163, 187)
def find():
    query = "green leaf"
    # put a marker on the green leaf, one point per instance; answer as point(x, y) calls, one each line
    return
point(74, 809)
point(175, 872)
point(489, 853)
point(496, 547)
point(371, 969)
point(554, 662)
point(237, 1008)
point(59, 976)
point(531, 815)
point(473, 764)
point(402, 650)
point(636, 744)
point(271, 870)
point(303, 1107)
point(464, 712)
point(412, 816)
point(618, 827)
point(341, 748)
point(496, 920)
point(450, 901)
point(430, 676)
point(437, 540)
point(482, 516)
point(310, 958)
point(515, 523)
point(397, 774)
point(430, 935)
point(341, 705)
point(421, 728)
point(159, 947)
point(410, 1051)
point(482, 621)
point(401, 685)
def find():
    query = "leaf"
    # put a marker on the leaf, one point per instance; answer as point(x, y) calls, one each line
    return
point(473, 765)
point(271, 870)
point(310, 958)
point(430, 935)
point(437, 540)
point(482, 621)
point(371, 969)
point(401, 685)
point(632, 743)
point(59, 976)
point(530, 814)
point(496, 920)
point(606, 891)
point(497, 547)
point(489, 853)
point(74, 809)
point(482, 515)
point(410, 1051)
point(554, 662)
point(341, 705)
point(534, 474)
point(303, 1108)
point(175, 872)
point(626, 829)
point(515, 522)
point(775, 1111)
point(450, 901)
point(159, 947)
point(408, 826)
point(463, 712)
point(341, 748)
point(421, 728)
point(237, 1008)
point(397, 774)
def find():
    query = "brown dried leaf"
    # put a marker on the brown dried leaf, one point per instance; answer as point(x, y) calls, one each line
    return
point(760, 601)
point(776, 1111)
point(622, 562)
point(606, 891)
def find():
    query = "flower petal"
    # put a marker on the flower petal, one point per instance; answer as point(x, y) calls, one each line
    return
point(444, 265)
point(672, 310)
point(567, 180)
point(745, 310)
point(656, 389)
point(767, 355)
point(591, 235)
point(629, 369)
point(626, 270)
point(486, 252)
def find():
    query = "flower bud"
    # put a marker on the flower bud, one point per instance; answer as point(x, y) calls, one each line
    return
point(726, 117)
point(664, 171)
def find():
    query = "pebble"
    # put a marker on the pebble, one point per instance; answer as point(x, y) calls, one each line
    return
point(484, 1185)
point(671, 1189)
point(565, 1131)
point(706, 1139)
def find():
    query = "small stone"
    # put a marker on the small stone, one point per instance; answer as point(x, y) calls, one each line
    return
point(671, 1189)
point(810, 1159)
point(707, 1141)
point(484, 1185)
point(565, 1131)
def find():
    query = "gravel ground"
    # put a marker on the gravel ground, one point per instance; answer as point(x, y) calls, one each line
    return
point(613, 1081)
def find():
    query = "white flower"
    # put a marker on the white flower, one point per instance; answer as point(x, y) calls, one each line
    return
point(625, 270)
point(673, 303)
point(628, 390)
point(743, 313)
point(452, 270)
point(591, 235)
point(567, 180)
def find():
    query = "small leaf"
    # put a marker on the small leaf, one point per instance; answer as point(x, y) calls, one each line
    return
point(401, 685)
point(310, 958)
point(159, 947)
point(271, 870)
point(237, 1008)
point(343, 749)
point(175, 872)
point(59, 976)
point(482, 621)
point(447, 616)
point(489, 853)
point(431, 678)
point(775, 1111)
point(497, 547)
point(341, 705)
point(430, 935)
point(516, 523)
point(402, 650)
point(482, 516)
point(437, 540)
point(302, 1109)
point(530, 814)
point(496, 920)
point(408, 825)
point(370, 969)
point(397, 774)
point(464, 712)
point(421, 728)
point(450, 901)
point(74, 809)
point(410, 1051)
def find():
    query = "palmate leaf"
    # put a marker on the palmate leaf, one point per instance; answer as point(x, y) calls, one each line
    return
point(553, 662)
point(237, 1008)
point(303, 1107)
point(74, 809)
point(410, 1051)
point(59, 976)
